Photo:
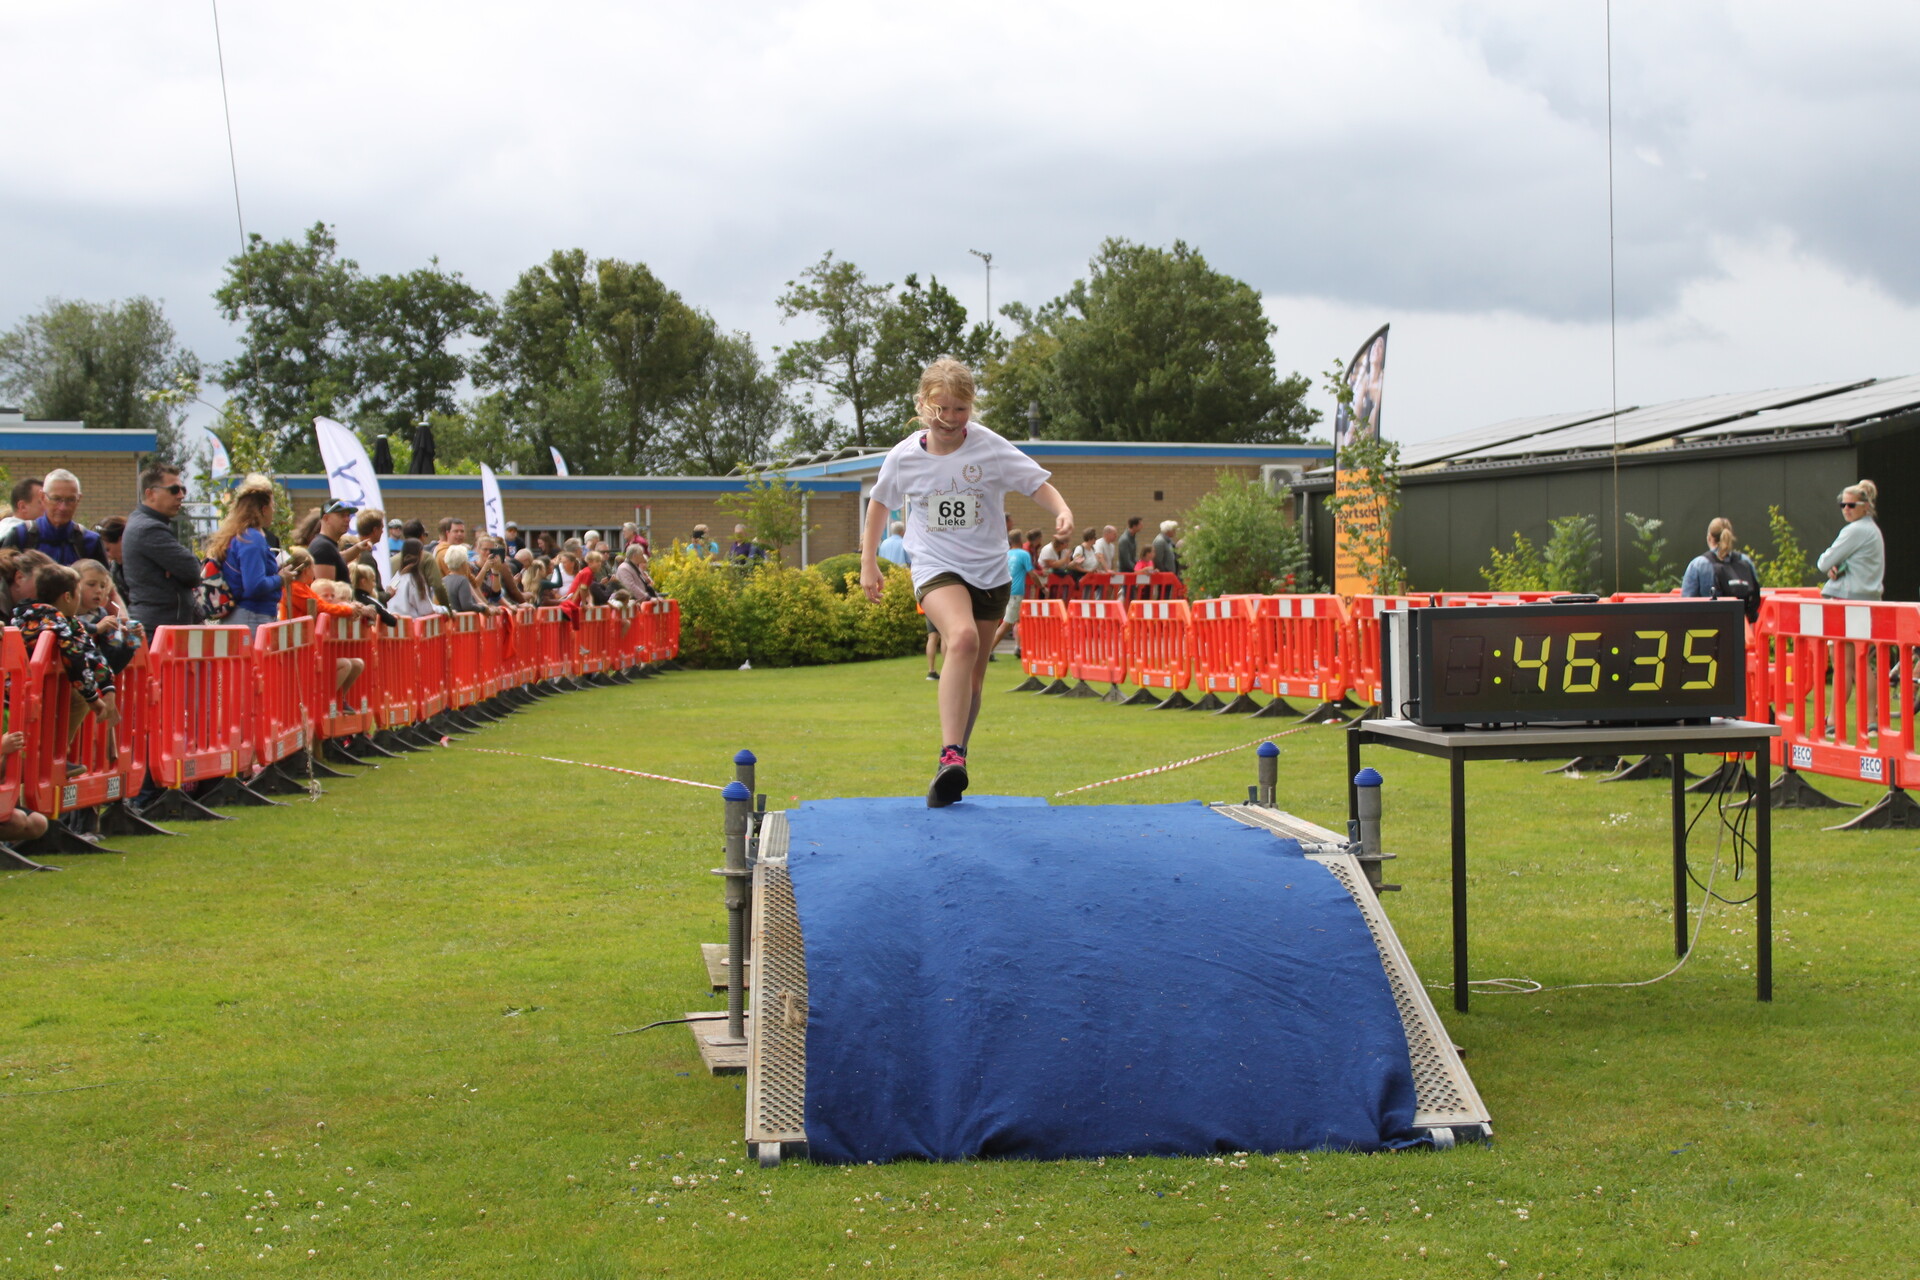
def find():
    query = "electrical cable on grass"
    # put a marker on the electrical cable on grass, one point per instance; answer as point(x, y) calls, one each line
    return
point(1528, 987)
point(669, 1022)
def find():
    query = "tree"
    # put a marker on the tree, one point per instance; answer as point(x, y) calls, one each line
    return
point(1153, 345)
point(923, 324)
point(733, 413)
point(99, 363)
point(843, 361)
point(773, 509)
point(401, 331)
point(1789, 565)
point(297, 300)
point(1242, 541)
point(599, 359)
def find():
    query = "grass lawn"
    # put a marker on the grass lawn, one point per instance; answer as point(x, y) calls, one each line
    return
point(372, 1036)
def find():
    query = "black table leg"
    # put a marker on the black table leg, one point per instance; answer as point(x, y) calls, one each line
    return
point(1353, 769)
point(1679, 855)
point(1457, 798)
point(1763, 871)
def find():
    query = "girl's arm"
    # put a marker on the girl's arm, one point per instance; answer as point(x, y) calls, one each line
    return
point(870, 579)
point(1049, 497)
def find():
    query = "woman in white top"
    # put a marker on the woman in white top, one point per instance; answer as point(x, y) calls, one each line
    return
point(411, 597)
point(951, 483)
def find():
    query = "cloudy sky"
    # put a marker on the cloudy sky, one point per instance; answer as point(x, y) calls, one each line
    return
point(1441, 166)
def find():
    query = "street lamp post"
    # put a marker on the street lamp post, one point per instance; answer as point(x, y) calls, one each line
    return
point(988, 259)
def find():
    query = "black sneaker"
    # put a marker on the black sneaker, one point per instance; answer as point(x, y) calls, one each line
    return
point(949, 781)
point(933, 675)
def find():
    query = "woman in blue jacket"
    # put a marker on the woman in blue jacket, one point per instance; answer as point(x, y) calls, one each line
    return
point(1856, 563)
point(239, 546)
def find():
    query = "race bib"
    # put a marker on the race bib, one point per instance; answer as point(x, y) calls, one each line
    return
point(953, 511)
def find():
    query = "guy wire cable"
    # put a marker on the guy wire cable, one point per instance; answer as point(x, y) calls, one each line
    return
point(1613, 333)
point(233, 167)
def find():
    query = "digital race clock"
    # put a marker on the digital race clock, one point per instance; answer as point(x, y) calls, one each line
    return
point(1651, 662)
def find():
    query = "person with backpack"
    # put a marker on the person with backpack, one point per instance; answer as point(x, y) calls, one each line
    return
point(240, 554)
point(1720, 572)
point(56, 533)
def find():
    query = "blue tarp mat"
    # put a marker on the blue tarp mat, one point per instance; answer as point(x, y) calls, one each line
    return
point(1007, 978)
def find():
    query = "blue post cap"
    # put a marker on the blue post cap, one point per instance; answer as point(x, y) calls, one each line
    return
point(743, 756)
point(735, 791)
point(1267, 750)
point(1367, 777)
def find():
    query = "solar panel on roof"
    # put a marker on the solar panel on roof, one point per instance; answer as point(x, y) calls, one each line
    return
point(1655, 422)
point(1872, 400)
point(1426, 452)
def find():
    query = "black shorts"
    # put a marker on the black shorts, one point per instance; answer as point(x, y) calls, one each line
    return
point(989, 603)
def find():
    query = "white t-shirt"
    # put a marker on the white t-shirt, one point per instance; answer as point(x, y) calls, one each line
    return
point(956, 504)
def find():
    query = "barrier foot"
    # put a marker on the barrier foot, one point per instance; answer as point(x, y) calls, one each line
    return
point(13, 860)
point(478, 713)
point(1646, 768)
point(1378, 711)
point(640, 671)
point(574, 684)
point(1082, 690)
point(1175, 701)
point(417, 736)
point(122, 819)
point(1240, 706)
point(231, 791)
point(1113, 695)
point(1894, 809)
point(333, 749)
point(1274, 710)
point(465, 718)
point(618, 677)
point(1141, 697)
point(502, 705)
point(1056, 689)
point(273, 781)
point(1587, 764)
point(1326, 713)
point(177, 804)
point(60, 838)
point(1032, 684)
point(1791, 790)
point(392, 741)
point(601, 679)
point(366, 742)
point(1731, 776)
point(307, 761)
point(1207, 703)
point(444, 724)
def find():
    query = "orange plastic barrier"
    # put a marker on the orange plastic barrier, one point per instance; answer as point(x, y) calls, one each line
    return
point(1837, 670)
point(337, 714)
point(199, 687)
point(1299, 639)
point(466, 652)
point(428, 638)
point(590, 642)
point(1097, 640)
point(15, 692)
point(1223, 643)
point(1360, 645)
point(1046, 648)
point(46, 785)
point(394, 692)
point(670, 630)
point(1159, 644)
point(498, 643)
point(283, 665)
point(551, 635)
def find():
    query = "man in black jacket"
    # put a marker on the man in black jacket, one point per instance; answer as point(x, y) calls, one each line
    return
point(161, 574)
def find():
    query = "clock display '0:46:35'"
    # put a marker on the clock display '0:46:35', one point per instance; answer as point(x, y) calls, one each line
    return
point(1607, 661)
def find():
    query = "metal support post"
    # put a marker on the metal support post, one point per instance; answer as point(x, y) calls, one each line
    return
point(739, 817)
point(1269, 765)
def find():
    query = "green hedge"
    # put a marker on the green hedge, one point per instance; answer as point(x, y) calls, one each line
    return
point(775, 616)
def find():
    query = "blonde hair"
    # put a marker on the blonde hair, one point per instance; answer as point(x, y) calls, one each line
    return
point(366, 578)
point(248, 510)
point(299, 560)
point(330, 589)
point(1867, 491)
point(1720, 535)
point(946, 376)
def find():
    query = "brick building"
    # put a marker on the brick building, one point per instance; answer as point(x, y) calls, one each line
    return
point(107, 462)
point(1105, 483)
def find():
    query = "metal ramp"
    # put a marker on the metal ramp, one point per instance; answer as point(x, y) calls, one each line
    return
point(1449, 1107)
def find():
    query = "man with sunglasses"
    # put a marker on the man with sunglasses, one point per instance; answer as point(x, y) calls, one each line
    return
point(55, 532)
point(161, 573)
